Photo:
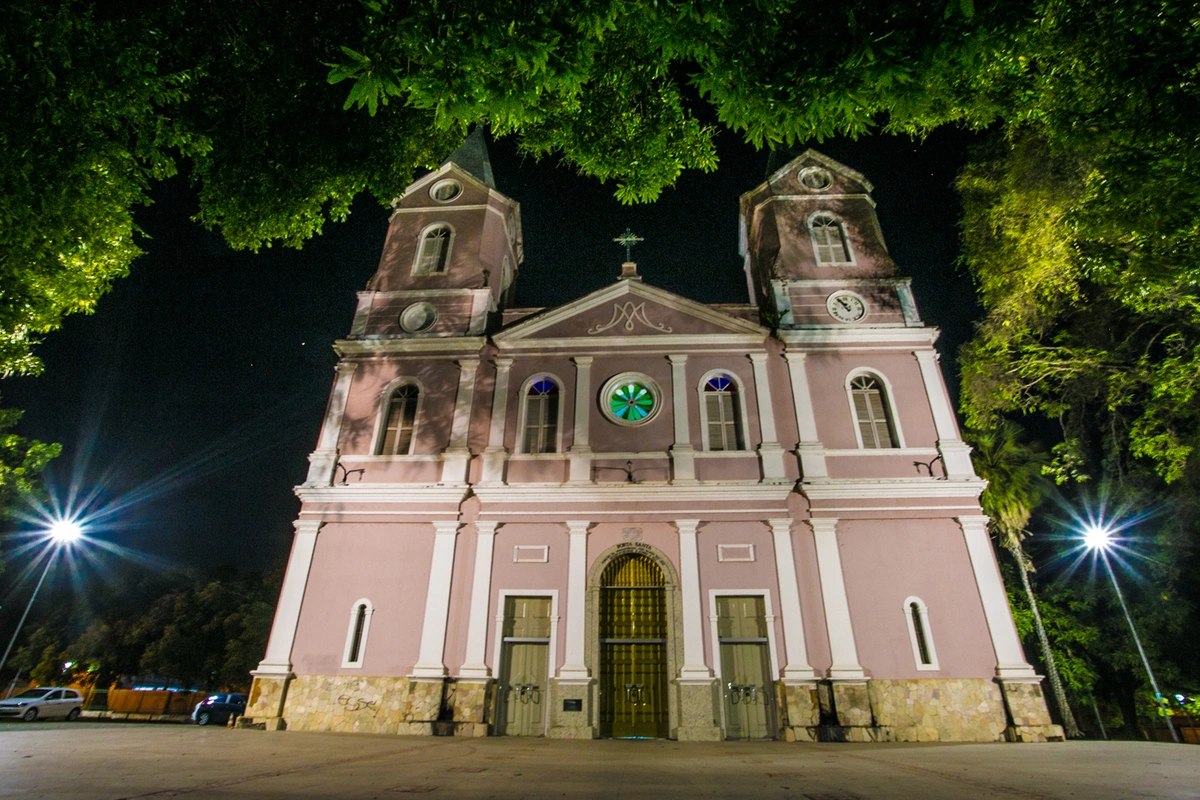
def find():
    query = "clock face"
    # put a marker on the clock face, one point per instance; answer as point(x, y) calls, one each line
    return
point(846, 307)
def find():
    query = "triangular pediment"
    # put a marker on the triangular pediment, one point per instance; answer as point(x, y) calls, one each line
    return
point(786, 178)
point(629, 308)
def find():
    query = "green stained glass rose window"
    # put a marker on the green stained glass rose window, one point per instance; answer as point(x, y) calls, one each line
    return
point(630, 399)
point(631, 402)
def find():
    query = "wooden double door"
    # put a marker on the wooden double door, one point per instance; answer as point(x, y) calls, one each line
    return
point(747, 680)
point(522, 682)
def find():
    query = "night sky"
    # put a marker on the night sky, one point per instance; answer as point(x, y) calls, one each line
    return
point(196, 390)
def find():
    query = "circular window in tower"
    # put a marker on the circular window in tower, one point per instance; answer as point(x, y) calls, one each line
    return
point(816, 178)
point(630, 398)
point(418, 317)
point(445, 191)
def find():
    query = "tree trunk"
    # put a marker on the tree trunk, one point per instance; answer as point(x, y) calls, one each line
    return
point(1070, 728)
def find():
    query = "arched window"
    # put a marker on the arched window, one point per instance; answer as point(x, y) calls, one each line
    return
point(830, 244)
point(401, 421)
point(434, 250)
point(540, 434)
point(356, 634)
point(721, 408)
point(917, 615)
point(875, 426)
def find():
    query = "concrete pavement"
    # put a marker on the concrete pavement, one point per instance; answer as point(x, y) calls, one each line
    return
point(109, 760)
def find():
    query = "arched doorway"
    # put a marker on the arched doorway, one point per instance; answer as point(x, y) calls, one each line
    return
point(633, 649)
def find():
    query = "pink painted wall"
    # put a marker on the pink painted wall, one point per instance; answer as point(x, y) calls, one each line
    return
point(883, 563)
point(827, 372)
point(353, 561)
point(516, 577)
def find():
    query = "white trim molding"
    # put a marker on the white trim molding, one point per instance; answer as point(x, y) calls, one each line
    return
point(494, 454)
point(916, 637)
point(416, 266)
point(481, 588)
point(278, 658)
point(430, 662)
point(890, 488)
point(368, 609)
point(575, 667)
point(794, 642)
point(1010, 657)
point(837, 605)
point(694, 668)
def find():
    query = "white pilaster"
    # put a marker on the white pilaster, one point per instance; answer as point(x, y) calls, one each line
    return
point(481, 589)
point(322, 460)
point(437, 602)
point(797, 667)
point(575, 668)
point(495, 455)
point(694, 667)
point(956, 455)
point(683, 458)
point(811, 451)
point(1010, 657)
point(362, 313)
point(457, 457)
point(837, 606)
point(278, 659)
point(769, 452)
point(581, 451)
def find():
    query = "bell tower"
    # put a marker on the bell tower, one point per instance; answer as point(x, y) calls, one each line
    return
point(814, 253)
point(451, 255)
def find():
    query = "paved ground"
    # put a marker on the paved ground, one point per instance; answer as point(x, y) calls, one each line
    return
point(112, 760)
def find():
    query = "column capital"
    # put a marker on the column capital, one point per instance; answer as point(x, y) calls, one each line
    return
point(468, 365)
point(794, 357)
point(582, 361)
point(444, 527)
point(823, 524)
point(677, 358)
point(977, 522)
point(930, 355)
point(757, 358)
point(780, 525)
point(687, 525)
point(312, 526)
point(578, 526)
point(345, 367)
point(486, 527)
point(503, 362)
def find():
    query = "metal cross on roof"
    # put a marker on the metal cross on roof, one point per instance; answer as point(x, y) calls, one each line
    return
point(629, 240)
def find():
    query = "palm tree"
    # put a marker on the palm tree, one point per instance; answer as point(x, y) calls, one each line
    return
point(1013, 469)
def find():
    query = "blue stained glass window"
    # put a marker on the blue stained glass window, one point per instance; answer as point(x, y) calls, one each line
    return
point(718, 383)
point(544, 386)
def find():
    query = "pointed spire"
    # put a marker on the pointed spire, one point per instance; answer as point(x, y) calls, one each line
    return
point(472, 155)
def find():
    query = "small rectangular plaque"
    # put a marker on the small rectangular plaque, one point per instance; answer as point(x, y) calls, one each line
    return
point(573, 705)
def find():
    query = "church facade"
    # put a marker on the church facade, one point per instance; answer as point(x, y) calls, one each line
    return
point(636, 515)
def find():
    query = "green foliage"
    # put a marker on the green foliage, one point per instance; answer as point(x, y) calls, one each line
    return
point(1072, 638)
point(21, 461)
point(207, 633)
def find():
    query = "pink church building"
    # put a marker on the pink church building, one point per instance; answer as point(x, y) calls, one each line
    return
point(636, 515)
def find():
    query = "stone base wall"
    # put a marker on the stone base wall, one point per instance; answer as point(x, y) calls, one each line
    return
point(938, 710)
point(699, 714)
point(266, 698)
point(368, 704)
point(572, 724)
point(799, 711)
point(1030, 717)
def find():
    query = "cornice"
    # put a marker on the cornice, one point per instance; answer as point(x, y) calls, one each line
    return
point(624, 493)
point(860, 335)
point(382, 493)
point(380, 346)
point(890, 489)
point(588, 344)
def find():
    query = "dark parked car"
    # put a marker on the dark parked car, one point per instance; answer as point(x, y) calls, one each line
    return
point(218, 708)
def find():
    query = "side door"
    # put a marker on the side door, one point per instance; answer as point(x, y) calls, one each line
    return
point(53, 706)
point(523, 676)
point(747, 682)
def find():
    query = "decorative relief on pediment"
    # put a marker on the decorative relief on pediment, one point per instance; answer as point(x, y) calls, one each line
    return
point(627, 315)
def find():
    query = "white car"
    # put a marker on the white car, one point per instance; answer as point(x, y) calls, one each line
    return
point(43, 703)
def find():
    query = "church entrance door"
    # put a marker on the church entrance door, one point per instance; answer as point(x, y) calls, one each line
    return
point(633, 649)
point(746, 681)
point(524, 660)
